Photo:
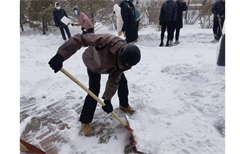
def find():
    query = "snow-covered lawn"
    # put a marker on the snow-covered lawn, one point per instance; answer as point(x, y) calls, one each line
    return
point(178, 92)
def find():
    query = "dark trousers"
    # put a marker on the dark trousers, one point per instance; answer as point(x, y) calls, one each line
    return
point(170, 29)
point(89, 106)
point(215, 28)
point(177, 31)
point(63, 33)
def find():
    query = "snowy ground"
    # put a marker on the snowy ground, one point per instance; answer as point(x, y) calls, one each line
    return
point(178, 92)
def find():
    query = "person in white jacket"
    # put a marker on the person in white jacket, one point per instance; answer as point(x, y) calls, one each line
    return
point(117, 11)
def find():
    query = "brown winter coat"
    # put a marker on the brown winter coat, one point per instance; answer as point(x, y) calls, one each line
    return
point(102, 56)
point(84, 21)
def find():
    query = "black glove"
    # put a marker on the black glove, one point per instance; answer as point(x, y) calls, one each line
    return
point(72, 24)
point(108, 107)
point(160, 22)
point(56, 62)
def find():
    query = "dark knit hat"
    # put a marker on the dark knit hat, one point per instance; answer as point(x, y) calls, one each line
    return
point(130, 54)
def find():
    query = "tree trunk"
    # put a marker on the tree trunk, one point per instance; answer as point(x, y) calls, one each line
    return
point(204, 2)
point(43, 26)
point(21, 25)
point(186, 12)
point(92, 17)
point(92, 14)
point(46, 26)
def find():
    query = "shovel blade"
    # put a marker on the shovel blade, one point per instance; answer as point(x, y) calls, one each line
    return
point(133, 142)
point(30, 148)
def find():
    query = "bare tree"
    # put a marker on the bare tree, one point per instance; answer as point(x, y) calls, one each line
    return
point(192, 13)
point(23, 13)
point(150, 11)
point(205, 17)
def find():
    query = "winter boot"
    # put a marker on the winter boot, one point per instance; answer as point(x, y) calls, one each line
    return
point(167, 44)
point(87, 130)
point(176, 42)
point(128, 109)
point(170, 42)
point(161, 44)
point(215, 41)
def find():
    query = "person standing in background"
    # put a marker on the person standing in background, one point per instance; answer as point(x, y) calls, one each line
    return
point(181, 6)
point(83, 21)
point(168, 16)
point(129, 21)
point(218, 10)
point(58, 14)
point(117, 11)
point(137, 14)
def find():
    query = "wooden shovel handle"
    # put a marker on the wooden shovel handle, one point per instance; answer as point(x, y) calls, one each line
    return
point(91, 94)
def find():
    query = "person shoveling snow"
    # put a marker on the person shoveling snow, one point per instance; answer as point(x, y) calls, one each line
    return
point(106, 54)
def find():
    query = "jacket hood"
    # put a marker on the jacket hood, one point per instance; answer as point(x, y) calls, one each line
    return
point(75, 7)
point(55, 4)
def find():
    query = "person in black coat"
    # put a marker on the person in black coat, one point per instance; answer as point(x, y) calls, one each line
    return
point(131, 6)
point(136, 12)
point(181, 6)
point(218, 9)
point(58, 14)
point(129, 22)
point(168, 16)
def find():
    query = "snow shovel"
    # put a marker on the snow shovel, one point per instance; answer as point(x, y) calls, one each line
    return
point(95, 97)
point(30, 148)
point(219, 24)
point(65, 20)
